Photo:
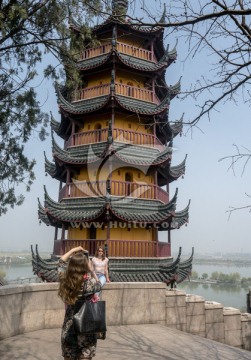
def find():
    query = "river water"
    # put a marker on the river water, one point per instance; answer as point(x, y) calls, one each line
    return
point(227, 295)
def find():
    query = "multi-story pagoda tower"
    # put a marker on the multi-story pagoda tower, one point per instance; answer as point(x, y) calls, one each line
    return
point(115, 166)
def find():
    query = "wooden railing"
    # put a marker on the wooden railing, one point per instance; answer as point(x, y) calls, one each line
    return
point(87, 137)
point(93, 52)
point(121, 135)
point(138, 138)
point(83, 189)
point(120, 89)
point(136, 51)
point(91, 92)
point(131, 50)
point(136, 92)
point(119, 248)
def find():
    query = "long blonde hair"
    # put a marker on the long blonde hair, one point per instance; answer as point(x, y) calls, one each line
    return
point(71, 280)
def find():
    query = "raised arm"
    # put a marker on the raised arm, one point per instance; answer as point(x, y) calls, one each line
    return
point(66, 256)
point(106, 272)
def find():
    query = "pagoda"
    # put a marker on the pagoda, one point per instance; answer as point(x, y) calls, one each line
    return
point(115, 166)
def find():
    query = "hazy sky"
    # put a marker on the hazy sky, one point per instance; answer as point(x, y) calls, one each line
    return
point(208, 183)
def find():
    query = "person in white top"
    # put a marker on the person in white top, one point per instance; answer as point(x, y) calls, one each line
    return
point(99, 265)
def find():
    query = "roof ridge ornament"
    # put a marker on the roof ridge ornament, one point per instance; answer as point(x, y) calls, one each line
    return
point(162, 20)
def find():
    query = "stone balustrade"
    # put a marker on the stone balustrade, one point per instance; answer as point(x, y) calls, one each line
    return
point(209, 319)
point(30, 307)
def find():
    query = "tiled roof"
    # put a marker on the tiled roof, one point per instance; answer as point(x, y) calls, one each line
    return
point(93, 62)
point(86, 209)
point(129, 153)
point(185, 269)
point(55, 125)
point(126, 102)
point(149, 66)
point(138, 210)
point(125, 270)
point(172, 129)
point(83, 106)
point(180, 218)
point(79, 155)
point(55, 169)
point(176, 171)
point(176, 127)
point(172, 173)
point(128, 60)
point(175, 89)
point(74, 209)
point(141, 155)
point(142, 107)
point(169, 173)
point(42, 214)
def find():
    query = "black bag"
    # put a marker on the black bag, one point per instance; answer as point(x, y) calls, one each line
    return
point(90, 318)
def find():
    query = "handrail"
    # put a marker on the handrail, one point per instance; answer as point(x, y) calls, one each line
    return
point(135, 51)
point(122, 189)
point(120, 89)
point(118, 247)
point(120, 135)
point(91, 92)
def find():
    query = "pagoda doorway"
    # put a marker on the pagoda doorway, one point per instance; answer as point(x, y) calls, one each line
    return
point(128, 183)
point(97, 129)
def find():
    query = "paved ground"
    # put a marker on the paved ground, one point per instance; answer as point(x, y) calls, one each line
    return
point(134, 342)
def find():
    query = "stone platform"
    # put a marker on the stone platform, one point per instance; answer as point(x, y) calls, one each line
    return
point(126, 342)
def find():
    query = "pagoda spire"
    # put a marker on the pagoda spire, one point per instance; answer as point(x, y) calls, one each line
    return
point(119, 7)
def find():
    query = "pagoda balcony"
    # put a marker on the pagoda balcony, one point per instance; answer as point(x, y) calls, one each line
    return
point(134, 92)
point(120, 135)
point(82, 189)
point(117, 248)
point(127, 49)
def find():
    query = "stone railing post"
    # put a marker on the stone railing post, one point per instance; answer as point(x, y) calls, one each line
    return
point(232, 326)
point(176, 309)
point(196, 322)
point(246, 331)
point(214, 321)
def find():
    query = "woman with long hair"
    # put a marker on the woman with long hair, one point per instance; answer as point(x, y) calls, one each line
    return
point(99, 266)
point(76, 283)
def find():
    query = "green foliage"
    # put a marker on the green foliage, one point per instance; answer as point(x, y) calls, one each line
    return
point(215, 275)
point(194, 275)
point(204, 276)
point(28, 30)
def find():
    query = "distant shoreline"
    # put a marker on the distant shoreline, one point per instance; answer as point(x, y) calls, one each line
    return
point(225, 262)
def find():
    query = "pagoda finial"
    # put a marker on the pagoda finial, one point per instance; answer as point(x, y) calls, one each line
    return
point(119, 7)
